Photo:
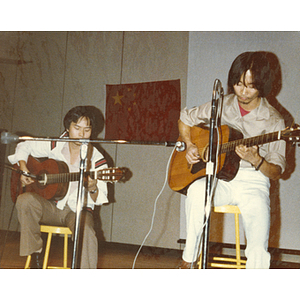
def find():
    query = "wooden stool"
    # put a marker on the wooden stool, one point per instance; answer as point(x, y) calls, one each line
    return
point(50, 230)
point(238, 263)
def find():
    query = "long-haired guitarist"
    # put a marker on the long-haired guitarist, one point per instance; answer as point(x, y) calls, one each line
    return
point(247, 110)
point(33, 209)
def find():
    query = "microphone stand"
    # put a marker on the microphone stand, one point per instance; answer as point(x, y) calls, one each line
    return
point(80, 197)
point(210, 169)
point(7, 138)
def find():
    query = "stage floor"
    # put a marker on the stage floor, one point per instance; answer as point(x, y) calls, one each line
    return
point(121, 256)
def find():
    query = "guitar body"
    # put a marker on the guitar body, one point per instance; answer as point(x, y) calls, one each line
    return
point(181, 175)
point(55, 191)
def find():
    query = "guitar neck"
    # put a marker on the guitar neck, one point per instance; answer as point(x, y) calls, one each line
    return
point(108, 175)
point(257, 140)
point(64, 177)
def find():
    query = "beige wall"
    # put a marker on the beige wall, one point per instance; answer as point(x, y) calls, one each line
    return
point(49, 72)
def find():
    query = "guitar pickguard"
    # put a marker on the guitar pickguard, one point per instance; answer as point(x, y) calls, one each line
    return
point(198, 167)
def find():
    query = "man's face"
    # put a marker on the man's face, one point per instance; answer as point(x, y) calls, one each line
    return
point(245, 90)
point(80, 130)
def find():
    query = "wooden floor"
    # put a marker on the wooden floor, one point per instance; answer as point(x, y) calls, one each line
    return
point(112, 255)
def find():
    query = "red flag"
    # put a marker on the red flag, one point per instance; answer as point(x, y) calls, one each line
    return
point(143, 111)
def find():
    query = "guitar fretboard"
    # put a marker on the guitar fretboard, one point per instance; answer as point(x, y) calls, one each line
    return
point(110, 175)
point(257, 140)
point(62, 177)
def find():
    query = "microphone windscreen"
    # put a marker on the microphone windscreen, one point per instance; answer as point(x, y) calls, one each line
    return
point(8, 138)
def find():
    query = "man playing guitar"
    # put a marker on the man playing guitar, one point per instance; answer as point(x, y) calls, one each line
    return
point(33, 209)
point(246, 110)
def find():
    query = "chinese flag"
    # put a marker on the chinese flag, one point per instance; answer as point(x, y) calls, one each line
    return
point(146, 112)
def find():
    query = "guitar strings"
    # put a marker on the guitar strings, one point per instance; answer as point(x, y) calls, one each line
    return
point(154, 209)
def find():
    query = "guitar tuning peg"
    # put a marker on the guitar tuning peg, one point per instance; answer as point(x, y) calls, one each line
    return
point(296, 143)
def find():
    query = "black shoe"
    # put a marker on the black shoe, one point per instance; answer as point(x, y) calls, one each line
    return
point(36, 261)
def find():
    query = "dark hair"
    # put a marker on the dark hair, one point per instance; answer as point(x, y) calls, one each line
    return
point(77, 112)
point(259, 67)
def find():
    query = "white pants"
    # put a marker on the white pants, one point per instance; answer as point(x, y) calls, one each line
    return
point(249, 190)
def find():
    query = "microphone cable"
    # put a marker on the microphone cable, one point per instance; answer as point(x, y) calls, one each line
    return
point(154, 208)
point(207, 208)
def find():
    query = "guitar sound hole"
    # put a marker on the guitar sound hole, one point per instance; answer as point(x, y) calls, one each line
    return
point(41, 180)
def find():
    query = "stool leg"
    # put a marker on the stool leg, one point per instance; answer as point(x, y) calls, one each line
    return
point(65, 251)
point(237, 240)
point(200, 261)
point(47, 250)
point(28, 260)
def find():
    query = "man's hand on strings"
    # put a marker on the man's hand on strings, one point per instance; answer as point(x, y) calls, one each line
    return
point(24, 179)
point(192, 154)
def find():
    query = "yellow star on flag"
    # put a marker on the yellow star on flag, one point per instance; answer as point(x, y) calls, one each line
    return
point(117, 98)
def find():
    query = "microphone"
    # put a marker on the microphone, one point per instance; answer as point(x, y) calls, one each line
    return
point(7, 138)
point(217, 94)
point(180, 146)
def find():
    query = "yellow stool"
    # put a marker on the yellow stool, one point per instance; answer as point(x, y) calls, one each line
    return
point(50, 230)
point(238, 263)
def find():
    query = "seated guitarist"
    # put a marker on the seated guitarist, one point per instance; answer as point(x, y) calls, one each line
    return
point(247, 110)
point(34, 210)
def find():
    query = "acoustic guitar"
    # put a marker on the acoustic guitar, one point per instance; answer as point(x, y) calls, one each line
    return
point(181, 174)
point(52, 177)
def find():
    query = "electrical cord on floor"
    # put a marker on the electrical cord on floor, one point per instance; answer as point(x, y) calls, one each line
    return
point(154, 210)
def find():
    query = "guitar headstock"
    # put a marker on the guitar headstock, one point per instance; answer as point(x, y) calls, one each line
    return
point(110, 174)
point(291, 134)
